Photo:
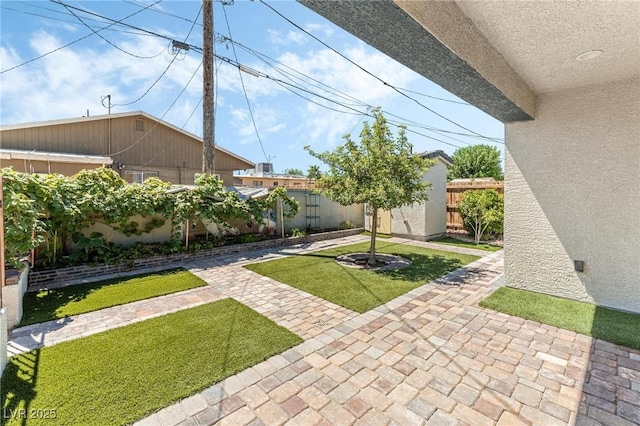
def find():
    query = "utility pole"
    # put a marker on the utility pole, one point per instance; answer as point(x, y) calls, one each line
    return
point(208, 118)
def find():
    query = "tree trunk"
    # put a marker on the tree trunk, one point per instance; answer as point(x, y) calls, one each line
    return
point(374, 231)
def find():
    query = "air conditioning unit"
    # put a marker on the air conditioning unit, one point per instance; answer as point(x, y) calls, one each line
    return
point(264, 168)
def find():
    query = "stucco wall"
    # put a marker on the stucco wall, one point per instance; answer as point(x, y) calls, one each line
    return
point(428, 220)
point(12, 293)
point(331, 213)
point(572, 192)
point(3, 339)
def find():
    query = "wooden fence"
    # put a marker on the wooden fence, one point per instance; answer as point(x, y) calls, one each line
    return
point(455, 189)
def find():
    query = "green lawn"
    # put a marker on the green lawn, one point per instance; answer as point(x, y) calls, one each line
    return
point(459, 243)
point(78, 299)
point(584, 318)
point(356, 289)
point(122, 375)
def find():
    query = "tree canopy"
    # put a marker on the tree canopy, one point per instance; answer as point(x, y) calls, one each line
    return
point(296, 172)
point(381, 171)
point(476, 161)
point(313, 172)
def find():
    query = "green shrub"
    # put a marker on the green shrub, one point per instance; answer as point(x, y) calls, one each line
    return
point(295, 232)
point(482, 212)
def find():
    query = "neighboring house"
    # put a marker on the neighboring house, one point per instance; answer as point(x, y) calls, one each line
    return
point(263, 177)
point(139, 145)
point(564, 77)
point(421, 221)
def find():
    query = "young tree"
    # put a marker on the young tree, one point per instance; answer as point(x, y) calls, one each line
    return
point(482, 210)
point(380, 171)
point(296, 172)
point(476, 161)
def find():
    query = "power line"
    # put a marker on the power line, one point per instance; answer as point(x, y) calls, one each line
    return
point(163, 72)
point(333, 90)
point(73, 42)
point(373, 75)
point(344, 95)
point(110, 43)
point(244, 90)
point(74, 22)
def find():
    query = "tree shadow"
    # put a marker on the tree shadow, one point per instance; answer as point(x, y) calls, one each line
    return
point(18, 386)
point(43, 305)
point(424, 268)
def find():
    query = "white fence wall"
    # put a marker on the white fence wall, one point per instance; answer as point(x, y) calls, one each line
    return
point(330, 214)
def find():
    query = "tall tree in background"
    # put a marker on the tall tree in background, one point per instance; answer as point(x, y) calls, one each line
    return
point(380, 171)
point(296, 172)
point(476, 161)
point(314, 172)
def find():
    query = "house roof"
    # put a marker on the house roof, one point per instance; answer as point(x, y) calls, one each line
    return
point(120, 115)
point(437, 154)
point(15, 154)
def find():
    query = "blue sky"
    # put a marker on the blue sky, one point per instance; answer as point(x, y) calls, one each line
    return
point(72, 80)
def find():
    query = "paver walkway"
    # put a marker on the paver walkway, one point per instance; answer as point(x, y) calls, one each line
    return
point(431, 356)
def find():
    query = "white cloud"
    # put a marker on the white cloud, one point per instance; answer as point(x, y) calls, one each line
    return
point(68, 82)
point(278, 38)
point(319, 28)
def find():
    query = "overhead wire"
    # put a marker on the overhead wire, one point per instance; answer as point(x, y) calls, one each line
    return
point(358, 112)
point(69, 44)
point(373, 75)
point(244, 89)
point(109, 42)
point(288, 86)
point(175, 56)
point(358, 102)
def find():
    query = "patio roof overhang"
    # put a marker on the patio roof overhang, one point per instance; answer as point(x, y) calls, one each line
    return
point(498, 55)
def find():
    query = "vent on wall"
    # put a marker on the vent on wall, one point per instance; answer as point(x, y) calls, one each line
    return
point(139, 125)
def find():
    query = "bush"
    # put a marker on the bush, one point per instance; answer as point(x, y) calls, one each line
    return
point(295, 232)
point(482, 212)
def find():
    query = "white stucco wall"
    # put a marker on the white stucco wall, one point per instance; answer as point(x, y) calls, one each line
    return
point(3, 339)
point(331, 213)
point(572, 192)
point(428, 220)
point(12, 298)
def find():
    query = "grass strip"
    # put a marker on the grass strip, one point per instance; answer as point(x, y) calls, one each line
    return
point(613, 326)
point(122, 375)
point(62, 302)
point(448, 241)
point(357, 289)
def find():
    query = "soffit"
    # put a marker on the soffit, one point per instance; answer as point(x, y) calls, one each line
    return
point(541, 39)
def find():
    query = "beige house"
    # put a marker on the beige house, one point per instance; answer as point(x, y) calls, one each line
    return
point(263, 177)
point(421, 221)
point(272, 181)
point(136, 144)
point(564, 77)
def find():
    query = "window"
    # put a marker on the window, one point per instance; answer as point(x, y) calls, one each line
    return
point(135, 176)
point(275, 183)
point(257, 184)
point(139, 125)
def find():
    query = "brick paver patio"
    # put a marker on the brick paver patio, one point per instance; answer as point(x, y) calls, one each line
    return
point(431, 356)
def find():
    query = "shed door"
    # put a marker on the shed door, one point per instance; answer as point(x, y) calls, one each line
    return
point(384, 221)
